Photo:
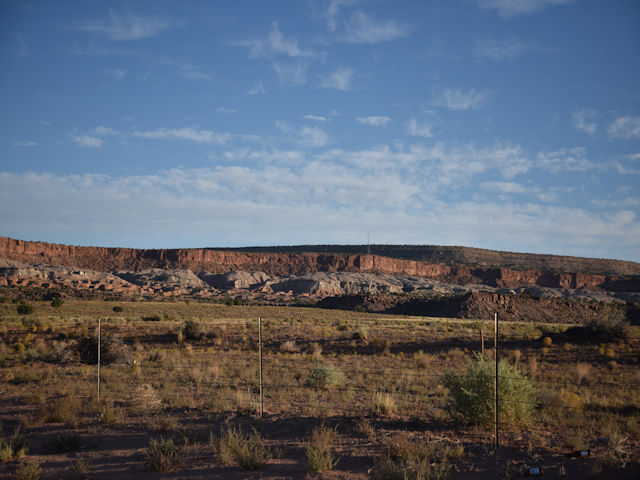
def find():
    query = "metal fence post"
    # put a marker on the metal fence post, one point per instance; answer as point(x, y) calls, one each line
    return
point(496, 381)
point(99, 335)
point(260, 368)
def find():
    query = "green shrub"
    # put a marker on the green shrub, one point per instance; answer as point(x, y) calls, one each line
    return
point(323, 376)
point(319, 450)
point(13, 447)
point(28, 471)
point(57, 302)
point(471, 393)
point(24, 309)
point(152, 318)
point(246, 451)
point(192, 330)
point(163, 456)
point(118, 309)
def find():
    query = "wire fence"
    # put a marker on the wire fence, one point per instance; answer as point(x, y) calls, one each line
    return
point(256, 373)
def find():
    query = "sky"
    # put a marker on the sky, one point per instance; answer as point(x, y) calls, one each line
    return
point(503, 124)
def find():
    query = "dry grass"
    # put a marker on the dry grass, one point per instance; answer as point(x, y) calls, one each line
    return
point(319, 451)
point(217, 374)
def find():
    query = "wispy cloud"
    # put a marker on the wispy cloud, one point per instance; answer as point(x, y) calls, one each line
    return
point(225, 110)
point(288, 60)
point(460, 99)
point(257, 89)
point(105, 131)
point(305, 136)
point(87, 141)
point(339, 79)
point(374, 121)
point(625, 127)
point(316, 118)
point(513, 8)
point(115, 76)
point(419, 129)
point(329, 11)
point(24, 144)
point(191, 134)
point(128, 27)
point(492, 49)
point(292, 73)
point(317, 201)
point(362, 27)
point(190, 72)
point(582, 121)
point(273, 45)
point(504, 187)
point(565, 160)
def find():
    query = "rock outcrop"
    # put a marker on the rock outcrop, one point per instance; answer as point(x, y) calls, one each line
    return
point(211, 262)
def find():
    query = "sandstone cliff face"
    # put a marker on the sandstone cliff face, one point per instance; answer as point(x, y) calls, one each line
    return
point(289, 264)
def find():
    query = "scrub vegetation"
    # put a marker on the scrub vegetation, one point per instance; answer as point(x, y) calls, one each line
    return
point(407, 397)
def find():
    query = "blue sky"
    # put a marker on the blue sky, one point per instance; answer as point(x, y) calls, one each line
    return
point(503, 124)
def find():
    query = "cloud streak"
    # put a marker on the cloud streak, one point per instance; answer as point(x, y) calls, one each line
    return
point(625, 127)
point(515, 8)
point(374, 121)
point(305, 136)
point(460, 99)
point(128, 27)
point(583, 120)
point(316, 202)
point(87, 141)
point(362, 28)
point(273, 45)
point(339, 79)
point(497, 50)
point(190, 134)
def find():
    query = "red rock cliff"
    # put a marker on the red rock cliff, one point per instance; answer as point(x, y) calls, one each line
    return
point(283, 264)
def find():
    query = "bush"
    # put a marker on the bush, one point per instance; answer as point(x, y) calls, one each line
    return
point(471, 393)
point(61, 352)
point(383, 404)
point(609, 328)
point(118, 309)
point(13, 447)
point(112, 350)
point(24, 309)
point(57, 302)
point(413, 460)
point(163, 456)
point(28, 471)
point(360, 333)
point(64, 410)
point(323, 376)
point(319, 450)
point(247, 451)
point(192, 330)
